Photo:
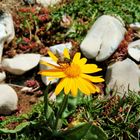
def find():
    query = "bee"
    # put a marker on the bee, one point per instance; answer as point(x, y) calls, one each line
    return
point(63, 61)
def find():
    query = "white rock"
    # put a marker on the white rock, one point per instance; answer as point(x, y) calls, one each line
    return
point(2, 76)
point(7, 21)
point(26, 89)
point(103, 38)
point(55, 49)
point(21, 63)
point(135, 26)
point(8, 99)
point(46, 3)
point(45, 79)
point(60, 48)
point(123, 75)
point(7, 31)
point(134, 50)
point(29, 1)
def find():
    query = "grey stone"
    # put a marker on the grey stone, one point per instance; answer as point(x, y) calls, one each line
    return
point(135, 26)
point(45, 79)
point(2, 76)
point(21, 63)
point(46, 3)
point(60, 48)
point(123, 75)
point(8, 99)
point(7, 32)
point(134, 50)
point(103, 38)
point(29, 1)
point(55, 49)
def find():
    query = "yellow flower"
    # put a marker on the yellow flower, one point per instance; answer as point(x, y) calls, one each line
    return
point(73, 74)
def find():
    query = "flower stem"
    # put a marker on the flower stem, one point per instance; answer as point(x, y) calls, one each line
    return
point(46, 100)
point(60, 111)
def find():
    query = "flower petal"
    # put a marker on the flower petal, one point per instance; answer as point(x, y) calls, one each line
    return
point(82, 61)
point(91, 87)
point(52, 73)
point(54, 58)
point(66, 53)
point(60, 86)
point(76, 58)
point(94, 79)
point(68, 86)
point(51, 78)
point(48, 64)
point(97, 89)
point(90, 68)
point(74, 88)
point(82, 86)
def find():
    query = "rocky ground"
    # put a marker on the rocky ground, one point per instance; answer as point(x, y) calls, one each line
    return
point(29, 28)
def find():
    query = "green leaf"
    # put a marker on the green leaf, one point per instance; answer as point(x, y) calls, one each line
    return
point(17, 129)
point(19, 40)
point(84, 131)
point(95, 133)
point(61, 110)
point(48, 26)
point(72, 103)
point(50, 116)
point(50, 112)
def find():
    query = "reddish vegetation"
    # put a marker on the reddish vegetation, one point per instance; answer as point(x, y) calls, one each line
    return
point(122, 51)
point(29, 32)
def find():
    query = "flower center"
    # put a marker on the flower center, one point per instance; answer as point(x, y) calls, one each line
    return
point(73, 70)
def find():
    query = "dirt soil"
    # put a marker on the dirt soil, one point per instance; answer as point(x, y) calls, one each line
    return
point(26, 101)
